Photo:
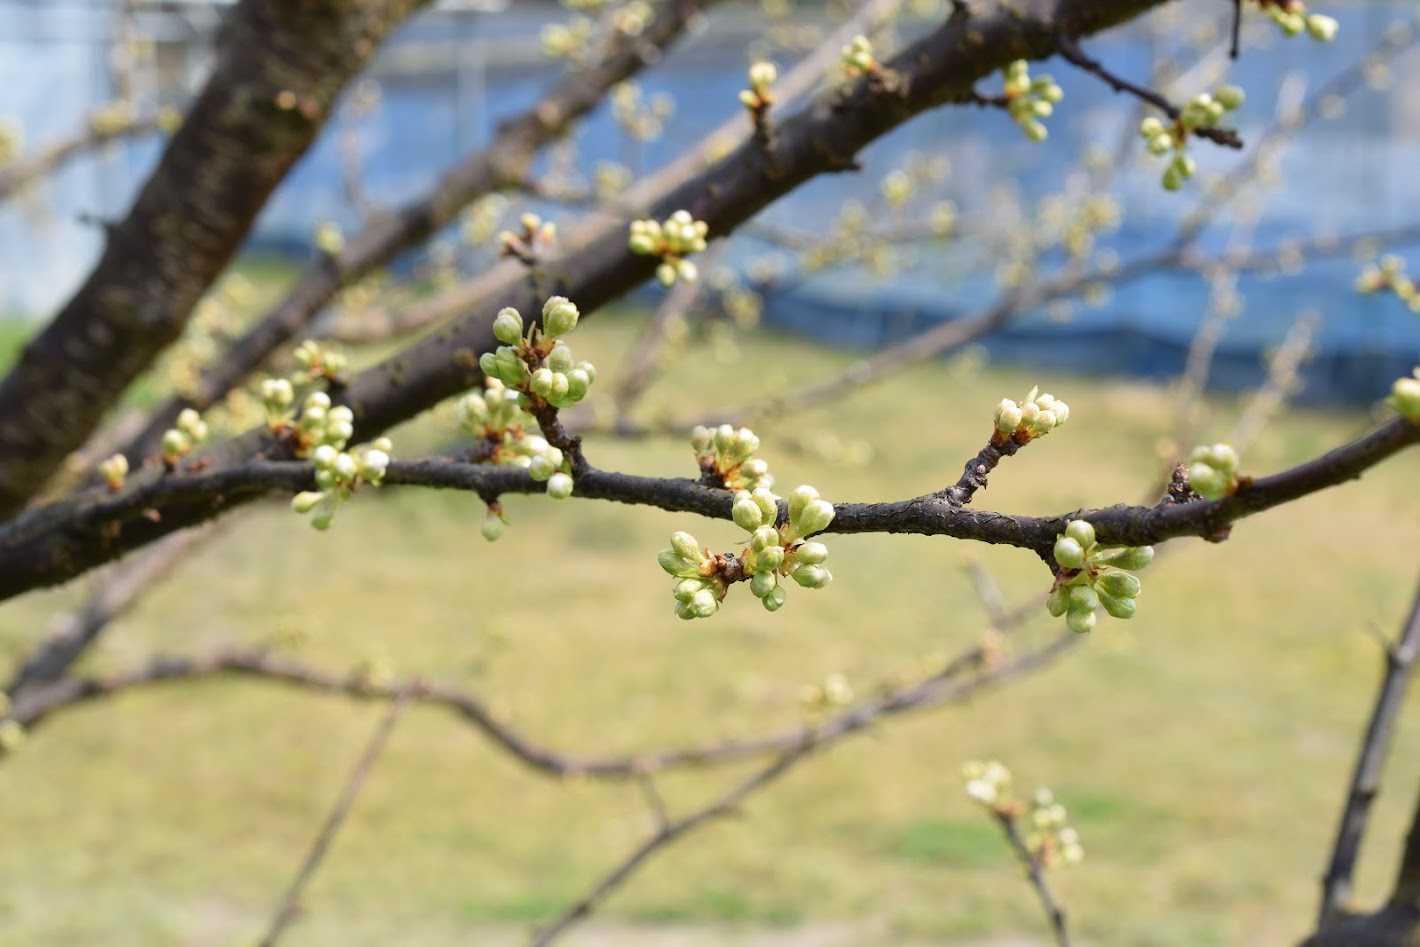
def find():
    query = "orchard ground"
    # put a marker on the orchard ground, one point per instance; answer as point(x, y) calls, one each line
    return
point(1202, 749)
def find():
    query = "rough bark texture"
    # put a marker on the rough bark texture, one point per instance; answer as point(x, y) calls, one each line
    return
point(280, 69)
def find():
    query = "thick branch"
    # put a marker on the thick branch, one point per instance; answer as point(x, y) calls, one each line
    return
point(279, 69)
point(502, 164)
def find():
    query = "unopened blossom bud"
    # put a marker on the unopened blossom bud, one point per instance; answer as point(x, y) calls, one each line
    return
point(559, 486)
point(799, 499)
point(774, 600)
point(508, 326)
point(1080, 620)
point(1119, 584)
point(306, 501)
point(1069, 554)
point(816, 516)
point(559, 316)
point(746, 513)
point(1118, 606)
point(1133, 558)
point(810, 553)
point(686, 547)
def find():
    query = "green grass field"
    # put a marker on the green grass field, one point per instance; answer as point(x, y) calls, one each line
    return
point(1202, 748)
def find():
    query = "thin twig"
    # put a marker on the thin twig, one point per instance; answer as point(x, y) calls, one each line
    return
point(1370, 764)
point(1071, 51)
point(1036, 872)
point(290, 905)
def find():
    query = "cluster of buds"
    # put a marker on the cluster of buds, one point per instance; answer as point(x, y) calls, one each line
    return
point(757, 98)
point(322, 425)
point(277, 395)
point(1292, 18)
point(112, 118)
point(1213, 471)
point(538, 364)
point(674, 240)
point(640, 118)
point(1389, 274)
point(1092, 576)
point(338, 473)
point(989, 783)
point(1052, 839)
point(114, 470)
point(567, 40)
point(328, 238)
point(724, 455)
point(1204, 110)
point(533, 234)
point(858, 57)
point(494, 415)
point(775, 551)
point(1405, 396)
point(1034, 416)
point(187, 432)
point(320, 361)
point(819, 699)
point(1029, 100)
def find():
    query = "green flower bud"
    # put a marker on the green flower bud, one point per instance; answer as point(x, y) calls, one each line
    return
point(764, 537)
point(492, 527)
point(1322, 28)
point(317, 400)
point(1069, 553)
point(687, 548)
point(746, 512)
point(277, 393)
point(1184, 164)
point(810, 553)
point(559, 316)
point(175, 443)
point(768, 505)
point(1082, 532)
point(812, 577)
point(665, 274)
point(557, 391)
point(541, 467)
point(1062, 413)
point(1082, 598)
point(323, 517)
point(769, 558)
point(685, 610)
point(1405, 397)
point(1056, 602)
point(373, 464)
point(1150, 127)
point(325, 456)
point(763, 583)
point(589, 369)
point(577, 384)
point(560, 359)
point(774, 600)
point(704, 603)
point(1080, 620)
point(702, 439)
point(1172, 179)
point(541, 382)
point(1229, 97)
point(799, 499)
point(1035, 131)
point(559, 486)
point(488, 364)
point(687, 270)
point(508, 326)
point(327, 479)
point(1133, 558)
point(345, 467)
point(1008, 416)
point(306, 501)
point(816, 516)
point(685, 589)
point(1160, 144)
point(1118, 606)
point(1207, 481)
point(1118, 584)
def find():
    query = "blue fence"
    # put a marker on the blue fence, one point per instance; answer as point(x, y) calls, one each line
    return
point(1350, 174)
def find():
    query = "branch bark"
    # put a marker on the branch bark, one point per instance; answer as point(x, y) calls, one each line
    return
point(279, 70)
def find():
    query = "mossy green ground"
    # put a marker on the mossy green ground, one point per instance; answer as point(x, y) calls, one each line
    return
point(1202, 749)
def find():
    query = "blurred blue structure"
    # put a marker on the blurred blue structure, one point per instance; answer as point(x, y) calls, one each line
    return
point(450, 75)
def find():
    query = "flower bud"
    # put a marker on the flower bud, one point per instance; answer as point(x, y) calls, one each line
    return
point(810, 553)
point(557, 391)
point(1229, 97)
point(175, 443)
point(508, 326)
point(746, 513)
point(768, 505)
point(323, 517)
point(672, 562)
point(685, 589)
point(1056, 602)
point(1069, 554)
point(702, 439)
point(541, 467)
point(559, 486)
point(704, 603)
point(774, 600)
point(1008, 416)
point(816, 516)
point(325, 456)
point(560, 358)
point(277, 393)
point(1082, 532)
point(763, 583)
point(812, 577)
point(559, 316)
point(665, 274)
point(1119, 607)
point(764, 537)
point(1405, 397)
point(1207, 481)
point(373, 464)
point(1080, 620)
point(1133, 558)
point(769, 558)
point(577, 384)
point(306, 501)
point(492, 527)
point(1082, 598)
point(1119, 584)
point(541, 382)
point(345, 466)
point(687, 548)
point(1321, 28)
point(1150, 127)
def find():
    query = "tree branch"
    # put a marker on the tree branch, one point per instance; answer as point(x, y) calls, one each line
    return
point(15, 176)
point(1036, 872)
point(279, 69)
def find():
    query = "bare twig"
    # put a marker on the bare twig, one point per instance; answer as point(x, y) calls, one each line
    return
point(1370, 763)
point(1036, 872)
point(15, 176)
point(290, 905)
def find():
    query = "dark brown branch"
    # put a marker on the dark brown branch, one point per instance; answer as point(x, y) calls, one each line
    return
point(52, 543)
point(1036, 872)
point(1370, 764)
point(290, 906)
point(974, 474)
point(280, 68)
point(502, 164)
point(1070, 50)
